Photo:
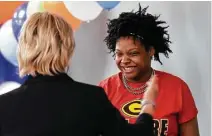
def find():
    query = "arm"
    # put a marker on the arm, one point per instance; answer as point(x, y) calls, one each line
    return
point(188, 113)
point(189, 128)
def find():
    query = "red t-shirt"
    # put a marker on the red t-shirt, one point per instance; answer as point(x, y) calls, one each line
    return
point(174, 104)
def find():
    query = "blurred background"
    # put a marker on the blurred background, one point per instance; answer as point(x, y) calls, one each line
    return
point(190, 32)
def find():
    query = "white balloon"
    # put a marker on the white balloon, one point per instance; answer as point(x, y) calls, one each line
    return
point(8, 86)
point(33, 7)
point(84, 10)
point(8, 43)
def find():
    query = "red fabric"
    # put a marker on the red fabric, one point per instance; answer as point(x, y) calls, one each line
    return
point(174, 104)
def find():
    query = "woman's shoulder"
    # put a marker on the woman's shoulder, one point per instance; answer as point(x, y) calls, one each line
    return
point(86, 86)
point(113, 79)
point(168, 76)
point(169, 79)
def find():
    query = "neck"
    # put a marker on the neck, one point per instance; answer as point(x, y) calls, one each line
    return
point(143, 76)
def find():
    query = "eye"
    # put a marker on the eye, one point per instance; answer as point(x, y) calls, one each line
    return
point(118, 54)
point(134, 53)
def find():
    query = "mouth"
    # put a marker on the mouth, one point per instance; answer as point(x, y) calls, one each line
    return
point(128, 69)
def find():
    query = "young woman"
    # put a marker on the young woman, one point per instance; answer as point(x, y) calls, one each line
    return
point(136, 38)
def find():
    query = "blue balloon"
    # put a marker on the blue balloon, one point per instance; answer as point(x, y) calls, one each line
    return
point(9, 72)
point(19, 17)
point(108, 4)
point(8, 46)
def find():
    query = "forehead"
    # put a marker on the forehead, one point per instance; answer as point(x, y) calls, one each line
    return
point(127, 43)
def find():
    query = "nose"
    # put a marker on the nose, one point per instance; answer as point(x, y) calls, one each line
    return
point(125, 59)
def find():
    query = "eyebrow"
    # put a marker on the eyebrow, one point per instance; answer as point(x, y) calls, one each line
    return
point(133, 49)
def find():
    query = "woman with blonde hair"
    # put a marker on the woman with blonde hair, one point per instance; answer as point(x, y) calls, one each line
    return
point(50, 103)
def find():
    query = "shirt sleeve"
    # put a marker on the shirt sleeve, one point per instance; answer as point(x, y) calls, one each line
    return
point(188, 108)
point(104, 84)
point(101, 84)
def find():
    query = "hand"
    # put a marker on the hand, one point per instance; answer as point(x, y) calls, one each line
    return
point(152, 89)
point(150, 95)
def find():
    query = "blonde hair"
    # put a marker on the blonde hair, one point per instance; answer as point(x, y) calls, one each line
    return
point(46, 44)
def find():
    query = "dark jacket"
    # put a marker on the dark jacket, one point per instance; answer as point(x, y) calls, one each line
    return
point(59, 106)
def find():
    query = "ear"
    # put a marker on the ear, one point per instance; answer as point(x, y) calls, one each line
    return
point(151, 51)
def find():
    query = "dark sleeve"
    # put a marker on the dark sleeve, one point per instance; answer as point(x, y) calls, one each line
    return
point(112, 123)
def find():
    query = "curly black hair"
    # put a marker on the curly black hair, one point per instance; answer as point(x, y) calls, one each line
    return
point(141, 26)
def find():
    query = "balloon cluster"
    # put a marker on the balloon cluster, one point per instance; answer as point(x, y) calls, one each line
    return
point(14, 14)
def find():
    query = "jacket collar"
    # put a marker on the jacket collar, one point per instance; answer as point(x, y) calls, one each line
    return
point(47, 78)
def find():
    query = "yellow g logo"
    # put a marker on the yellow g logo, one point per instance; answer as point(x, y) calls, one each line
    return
point(132, 108)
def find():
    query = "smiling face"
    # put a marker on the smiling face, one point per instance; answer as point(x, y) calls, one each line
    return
point(132, 58)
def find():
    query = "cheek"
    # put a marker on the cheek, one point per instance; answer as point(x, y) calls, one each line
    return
point(137, 60)
point(144, 62)
point(140, 62)
point(118, 61)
